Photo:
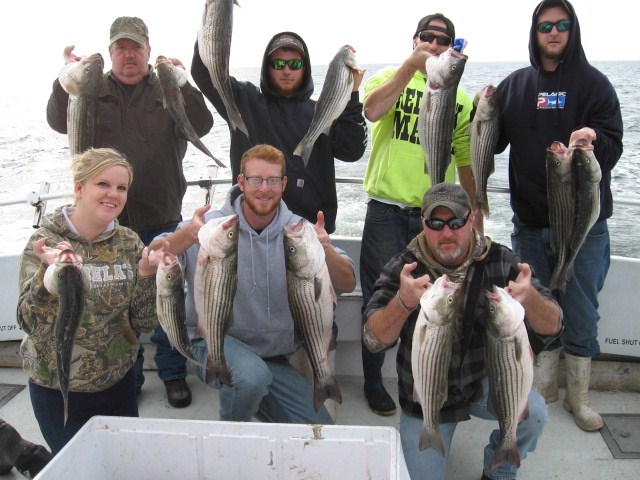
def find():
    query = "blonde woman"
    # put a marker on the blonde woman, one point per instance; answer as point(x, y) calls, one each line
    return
point(120, 299)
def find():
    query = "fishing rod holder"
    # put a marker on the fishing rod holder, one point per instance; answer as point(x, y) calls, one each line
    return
point(35, 200)
point(209, 184)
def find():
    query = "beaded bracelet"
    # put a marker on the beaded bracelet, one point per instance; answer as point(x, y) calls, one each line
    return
point(404, 307)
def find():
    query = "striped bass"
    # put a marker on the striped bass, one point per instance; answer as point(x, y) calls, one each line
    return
point(170, 304)
point(509, 365)
point(561, 207)
point(82, 80)
point(437, 117)
point(67, 279)
point(431, 347)
point(485, 129)
point(216, 279)
point(335, 94)
point(214, 47)
point(311, 301)
point(171, 78)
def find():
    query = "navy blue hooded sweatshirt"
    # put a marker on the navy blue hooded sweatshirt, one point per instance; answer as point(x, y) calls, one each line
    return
point(539, 107)
point(282, 121)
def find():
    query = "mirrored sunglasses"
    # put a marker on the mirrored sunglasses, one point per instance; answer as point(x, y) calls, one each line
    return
point(279, 63)
point(561, 26)
point(453, 224)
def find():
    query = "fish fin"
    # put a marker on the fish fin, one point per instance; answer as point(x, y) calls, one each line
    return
point(510, 455)
point(65, 397)
point(325, 389)
point(317, 288)
point(431, 438)
point(518, 350)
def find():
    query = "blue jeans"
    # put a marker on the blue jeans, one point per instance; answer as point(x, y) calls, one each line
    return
point(269, 389)
point(387, 230)
point(118, 400)
point(171, 364)
point(580, 302)
point(431, 464)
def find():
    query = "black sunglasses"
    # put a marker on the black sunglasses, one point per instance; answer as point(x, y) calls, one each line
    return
point(279, 63)
point(546, 27)
point(440, 39)
point(453, 224)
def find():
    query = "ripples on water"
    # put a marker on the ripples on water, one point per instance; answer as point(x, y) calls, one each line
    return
point(32, 153)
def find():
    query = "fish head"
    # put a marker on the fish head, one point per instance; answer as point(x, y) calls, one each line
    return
point(304, 255)
point(558, 161)
point(446, 69)
point(169, 276)
point(170, 75)
point(219, 236)
point(586, 165)
point(441, 302)
point(504, 313)
point(66, 263)
point(487, 108)
point(76, 77)
point(347, 54)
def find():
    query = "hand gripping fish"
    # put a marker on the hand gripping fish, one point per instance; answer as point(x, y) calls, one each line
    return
point(440, 307)
point(214, 47)
point(509, 365)
point(67, 279)
point(335, 94)
point(216, 278)
point(311, 301)
point(170, 305)
point(82, 80)
point(437, 117)
point(171, 79)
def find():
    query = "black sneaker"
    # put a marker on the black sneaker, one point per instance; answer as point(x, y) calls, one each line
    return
point(379, 400)
point(178, 393)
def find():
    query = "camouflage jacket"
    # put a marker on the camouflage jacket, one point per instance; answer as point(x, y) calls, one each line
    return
point(118, 303)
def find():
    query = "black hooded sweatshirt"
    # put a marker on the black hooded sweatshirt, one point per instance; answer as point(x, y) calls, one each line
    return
point(531, 120)
point(282, 121)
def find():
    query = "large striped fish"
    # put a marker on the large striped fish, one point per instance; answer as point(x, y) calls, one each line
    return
point(216, 278)
point(335, 94)
point(67, 279)
point(437, 117)
point(170, 304)
point(82, 81)
point(509, 364)
point(214, 47)
point(431, 347)
point(485, 129)
point(561, 206)
point(171, 79)
point(311, 301)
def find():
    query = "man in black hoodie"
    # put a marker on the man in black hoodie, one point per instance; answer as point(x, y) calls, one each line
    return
point(279, 113)
point(561, 97)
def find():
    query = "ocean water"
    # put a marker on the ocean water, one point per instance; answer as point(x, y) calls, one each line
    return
point(32, 153)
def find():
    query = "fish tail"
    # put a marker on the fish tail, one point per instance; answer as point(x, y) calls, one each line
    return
point(65, 398)
point(325, 389)
point(218, 371)
point(506, 454)
point(431, 438)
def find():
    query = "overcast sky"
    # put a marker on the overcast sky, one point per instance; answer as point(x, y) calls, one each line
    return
point(35, 32)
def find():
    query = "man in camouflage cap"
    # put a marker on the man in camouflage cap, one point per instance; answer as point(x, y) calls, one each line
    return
point(131, 119)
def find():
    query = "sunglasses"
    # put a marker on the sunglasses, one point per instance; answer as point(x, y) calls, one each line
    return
point(453, 224)
point(279, 63)
point(430, 37)
point(546, 27)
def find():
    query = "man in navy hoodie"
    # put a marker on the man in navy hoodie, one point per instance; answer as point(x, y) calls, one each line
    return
point(561, 97)
point(279, 113)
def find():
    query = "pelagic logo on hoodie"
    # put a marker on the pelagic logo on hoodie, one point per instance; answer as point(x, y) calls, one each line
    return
point(551, 100)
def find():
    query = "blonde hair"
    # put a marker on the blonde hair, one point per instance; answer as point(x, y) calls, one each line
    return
point(95, 161)
point(264, 152)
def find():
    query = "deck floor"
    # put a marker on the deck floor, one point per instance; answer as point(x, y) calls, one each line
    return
point(564, 451)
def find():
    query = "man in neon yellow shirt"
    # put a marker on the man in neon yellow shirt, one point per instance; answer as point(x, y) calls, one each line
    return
point(395, 181)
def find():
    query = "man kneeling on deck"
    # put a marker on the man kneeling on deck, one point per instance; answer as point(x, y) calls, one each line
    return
point(448, 245)
point(259, 342)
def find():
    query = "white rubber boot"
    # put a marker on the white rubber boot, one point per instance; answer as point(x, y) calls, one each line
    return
point(545, 374)
point(576, 401)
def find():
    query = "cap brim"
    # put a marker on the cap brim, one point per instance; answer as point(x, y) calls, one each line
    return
point(141, 39)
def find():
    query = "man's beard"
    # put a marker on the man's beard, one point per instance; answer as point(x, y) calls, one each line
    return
point(260, 209)
point(448, 258)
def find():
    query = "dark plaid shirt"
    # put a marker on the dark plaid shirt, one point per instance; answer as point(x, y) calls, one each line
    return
point(467, 368)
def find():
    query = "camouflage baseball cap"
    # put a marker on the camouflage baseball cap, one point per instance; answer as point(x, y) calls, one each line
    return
point(447, 195)
point(286, 40)
point(132, 28)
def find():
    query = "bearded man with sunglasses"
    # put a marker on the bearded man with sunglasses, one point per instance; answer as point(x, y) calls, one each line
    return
point(395, 180)
point(561, 97)
point(279, 113)
point(448, 244)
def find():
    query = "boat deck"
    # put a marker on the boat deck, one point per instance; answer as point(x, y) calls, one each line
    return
point(564, 450)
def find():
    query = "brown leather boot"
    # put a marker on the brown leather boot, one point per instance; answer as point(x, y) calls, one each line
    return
point(27, 457)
